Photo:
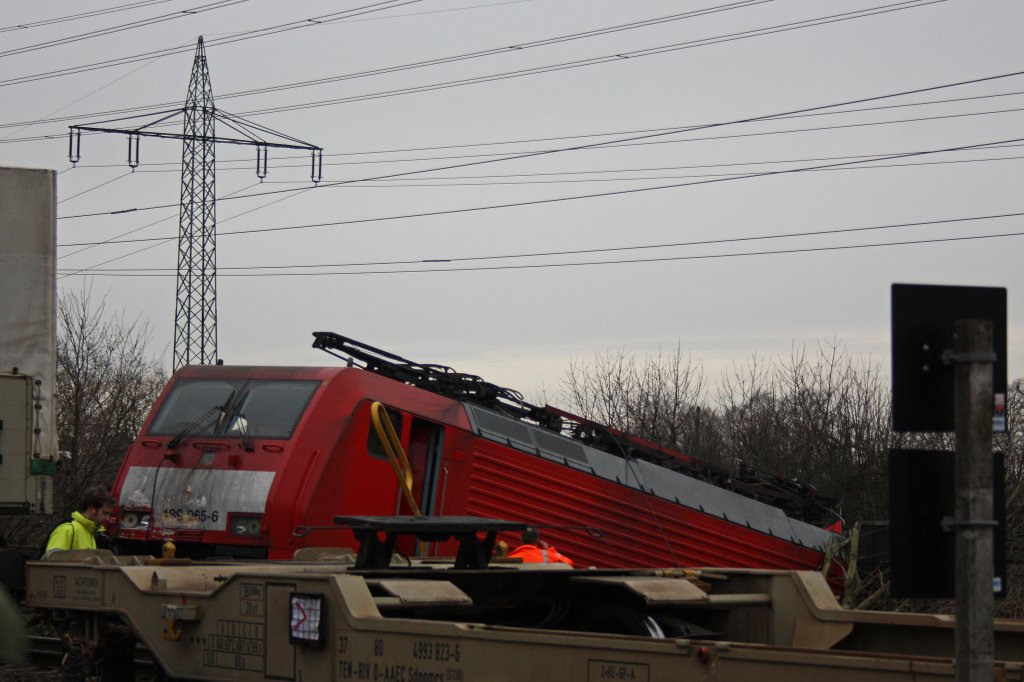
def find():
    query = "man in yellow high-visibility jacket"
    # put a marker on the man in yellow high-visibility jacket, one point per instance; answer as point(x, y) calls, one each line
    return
point(80, 532)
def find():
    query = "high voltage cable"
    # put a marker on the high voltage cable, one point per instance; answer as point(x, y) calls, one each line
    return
point(646, 52)
point(518, 47)
point(82, 15)
point(537, 202)
point(65, 274)
point(849, 247)
point(434, 182)
point(610, 144)
point(88, 94)
point(808, 23)
point(199, 9)
point(123, 234)
point(222, 164)
point(649, 130)
point(233, 38)
point(661, 133)
point(151, 246)
point(876, 98)
point(440, 60)
point(637, 141)
point(588, 172)
point(145, 3)
point(577, 252)
point(535, 266)
point(143, 227)
point(623, 170)
point(729, 175)
point(102, 184)
point(613, 145)
point(884, 9)
point(502, 177)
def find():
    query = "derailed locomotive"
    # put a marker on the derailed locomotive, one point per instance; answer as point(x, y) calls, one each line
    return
point(256, 462)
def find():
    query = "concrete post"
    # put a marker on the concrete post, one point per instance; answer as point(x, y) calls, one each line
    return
point(974, 529)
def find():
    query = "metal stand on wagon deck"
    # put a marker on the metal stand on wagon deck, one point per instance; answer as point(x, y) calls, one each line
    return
point(474, 553)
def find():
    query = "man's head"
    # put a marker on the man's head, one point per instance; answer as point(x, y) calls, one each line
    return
point(530, 535)
point(97, 505)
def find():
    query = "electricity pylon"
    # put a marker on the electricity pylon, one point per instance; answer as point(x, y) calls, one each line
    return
point(195, 310)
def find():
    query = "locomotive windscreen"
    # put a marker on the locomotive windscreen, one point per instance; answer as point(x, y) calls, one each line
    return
point(233, 408)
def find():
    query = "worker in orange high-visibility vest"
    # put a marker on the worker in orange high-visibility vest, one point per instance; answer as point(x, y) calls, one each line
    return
point(536, 551)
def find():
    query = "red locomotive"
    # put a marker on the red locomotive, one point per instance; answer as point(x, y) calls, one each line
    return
point(258, 462)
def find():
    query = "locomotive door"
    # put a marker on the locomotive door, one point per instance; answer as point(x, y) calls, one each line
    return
point(425, 439)
point(424, 451)
point(419, 443)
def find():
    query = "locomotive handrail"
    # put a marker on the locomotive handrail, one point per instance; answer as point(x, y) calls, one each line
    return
point(392, 445)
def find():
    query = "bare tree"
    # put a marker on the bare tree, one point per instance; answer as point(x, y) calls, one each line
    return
point(824, 419)
point(105, 387)
point(660, 398)
point(1012, 445)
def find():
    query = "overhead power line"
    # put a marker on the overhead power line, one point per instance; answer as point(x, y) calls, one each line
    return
point(538, 202)
point(504, 49)
point(822, 107)
point(659, 133)
point(151, 246)
point(82, 15)
point(864, 157)
point(631, 54)
point(883, 9)
point(187, 47)
point(842, 126)
point(198, 9)
point(489, 181)
point(146, 3)
point(613, 249)
point(427, 181)
point(95, 187)
point(224, 165)
point(150, 166)
point(248, 166)
point(653, 130)
point(436, 61)
point(625, 261)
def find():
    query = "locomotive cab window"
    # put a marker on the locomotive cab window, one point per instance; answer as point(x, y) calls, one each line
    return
point(271, 409)
point(234, 408)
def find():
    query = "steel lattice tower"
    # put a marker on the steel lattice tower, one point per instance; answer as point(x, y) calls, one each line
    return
point(195, 310)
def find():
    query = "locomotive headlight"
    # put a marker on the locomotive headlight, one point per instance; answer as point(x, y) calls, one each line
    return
point(134, 519)
point(246, 526)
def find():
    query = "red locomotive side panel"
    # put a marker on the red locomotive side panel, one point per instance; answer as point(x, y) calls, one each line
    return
point(608, 525)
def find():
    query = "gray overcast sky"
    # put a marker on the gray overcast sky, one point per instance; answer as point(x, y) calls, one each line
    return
point(516, 325)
